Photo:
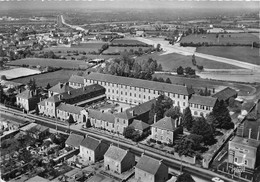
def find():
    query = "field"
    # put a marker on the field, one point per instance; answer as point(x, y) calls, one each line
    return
point(113, 49)
point(18, 72)
point(235, 38)
point(128, 42)
point(172, 61)
point(52, 78)
point(245, 54)
point(50, 62)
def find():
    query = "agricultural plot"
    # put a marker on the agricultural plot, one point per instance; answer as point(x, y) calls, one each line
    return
point(52, 78)
point(128, 42)
point(113, 49)
point(18, 72)
point(57, 63)
point(245, 54)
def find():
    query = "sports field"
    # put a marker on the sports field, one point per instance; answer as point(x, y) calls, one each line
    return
point(245, 54)
point(18, 72)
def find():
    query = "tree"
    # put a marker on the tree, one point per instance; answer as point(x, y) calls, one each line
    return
point(160, 79)
point(155, 79)
point(184, 147)
point(187, 118)
point(159, 68)
point(193, 60)
point(158, 47)
point(151, 114)
point(48, 86)
point(168, 80)
point(185, 177)
point(32, 84)
point(162, 104)
point(173, 112)
point(70, 121)
point(37, 110)
point(2, 94)
point(180, 70)
point(88, 124)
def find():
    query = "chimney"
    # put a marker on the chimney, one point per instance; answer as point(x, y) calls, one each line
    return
point(69, 92)
point(59, 96)
point(249, 133)
point(179, 119)
point(160, 161)
point(154, 118)
point(258, 133)
point(121, 109)
point(176, 123)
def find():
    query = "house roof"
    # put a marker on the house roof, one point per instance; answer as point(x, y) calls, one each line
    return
point(74, 140)
point(139, 125)
point(61, 88)
point(225, 94)
point(41, 128)
point(116, 153)
point(28, 127)
point(246, 141)
point(38, 179)
point(90, 143)
point(127, 114)
point(76, 79)
point(42, 103)
point(203, 100)
point(54, 99)
point(166, 123)
point(69, 108)
point(144, 107)
point(148, 164)
point(103, 116)
point(178, 89)
point(26, 94)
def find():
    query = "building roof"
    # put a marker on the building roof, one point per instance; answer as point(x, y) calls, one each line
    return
point(42, 103)
point(28, 127)
point(139, 125)
point(178, 89)
point(225, 94)
point(127, 114)
point(74, 140)
point(166, 123)
point(61, 88)
point(38, 179)
point(143, 108)
point(203, 100)
point(116, 153)
point(90, 143)
point(103, 116)
point(69, 108)
point(148, 164)
point(76, 79)
point(246, 141)
point(41, 128)
point(26, 94)
point(53, 99)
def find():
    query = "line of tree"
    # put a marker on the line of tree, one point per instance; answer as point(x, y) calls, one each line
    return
point(186, 71)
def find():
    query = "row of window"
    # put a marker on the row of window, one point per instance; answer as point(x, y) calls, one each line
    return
point(245, 161)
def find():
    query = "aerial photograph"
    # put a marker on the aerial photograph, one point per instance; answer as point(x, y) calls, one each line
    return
point(129, 91)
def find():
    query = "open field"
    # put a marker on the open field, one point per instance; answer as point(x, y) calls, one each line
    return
point(50, 62)
point(18, 72)
point(113, 49)
point(52, 78)
point(128, 42)
point(235, 38)
point(245, 54)
point(172, 61)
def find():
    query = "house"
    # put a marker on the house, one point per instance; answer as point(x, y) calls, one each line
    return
point(150, 169)
point(118, 160)
point(59, 89)
point(226, 94)
point(244, 151)
point(166, 130)
point(27, 100)
point(38, 179)
point(201, 105)
point(35, 130)
point(74, 141)
point(76, 81)
point(65, 110)
point(140, 126)
point(93, 149)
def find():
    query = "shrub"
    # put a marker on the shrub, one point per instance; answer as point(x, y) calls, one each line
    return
point(159, 142)
point(152, 140)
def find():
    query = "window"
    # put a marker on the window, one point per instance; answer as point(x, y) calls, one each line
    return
point(184, 97)
point(121, 92)
point(183, 103)
point(130, 94)
point(178, 96)
point(144, 96)
point(235, 159)
point(125, 87)
point(246, 162)
point(125, 93)
point(139, 95)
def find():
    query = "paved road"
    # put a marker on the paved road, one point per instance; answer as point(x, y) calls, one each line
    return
point(193, 170)
point(71, 26)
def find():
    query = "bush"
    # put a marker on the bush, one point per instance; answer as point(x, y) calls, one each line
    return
point(158, 142)
point(152, 140)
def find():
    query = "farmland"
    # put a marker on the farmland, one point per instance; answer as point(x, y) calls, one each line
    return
point(128, 42)
point(224, 39)
point(18, 72)
point(113, 49)
point(57, 63)
point(52, 78)
point(245, 54)
point(172, 61)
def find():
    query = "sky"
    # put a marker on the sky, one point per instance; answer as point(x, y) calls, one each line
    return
point(144, 4)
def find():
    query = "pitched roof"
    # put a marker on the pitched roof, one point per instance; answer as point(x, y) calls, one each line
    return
point(166, 123)
point(74, 140)
point(54, 99)
point(203, 100)
point(103, 116)
point(127, 114)
point(90, 143)
point(38, 179)
point(225, 94)
point(139, 125)
point(60, 88)
point(144, 107)
point(246, 141)
point(69, 108)
point(116, 153)
point(42, 103)
point(26, 94)
point(148, 164)
point(178, 89)
point(76, 79)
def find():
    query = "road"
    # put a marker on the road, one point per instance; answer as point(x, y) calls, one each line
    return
point(71, 26)
point(193, 170)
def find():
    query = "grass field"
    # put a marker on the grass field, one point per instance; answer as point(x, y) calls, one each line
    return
point(18, 72)
point(172, 61)
point(50, 62)
point(236, 38)
point(52, 78)
point(128, 42)
point(113, 49)
point(245, 54)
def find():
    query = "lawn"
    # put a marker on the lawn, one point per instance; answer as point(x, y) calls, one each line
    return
point(113, 49)
point(130, 42)
point(245, 54)
point(50, 62)
point(52, 78)
point(18, 72)
point(237, 38)
point(172, 61)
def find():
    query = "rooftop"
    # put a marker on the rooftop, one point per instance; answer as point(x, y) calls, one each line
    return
point(90, 143)
point(38, 179)
point(69, 108)
point(166, 123)
point(203, 100)
point(26, 94)
point(61, 88)
point(148, 164)
point(225, 94)
point(246, 141)
point(139, 125)
point(103, 116)
point(74, 140)
point(116, 153)
point(76, 79)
